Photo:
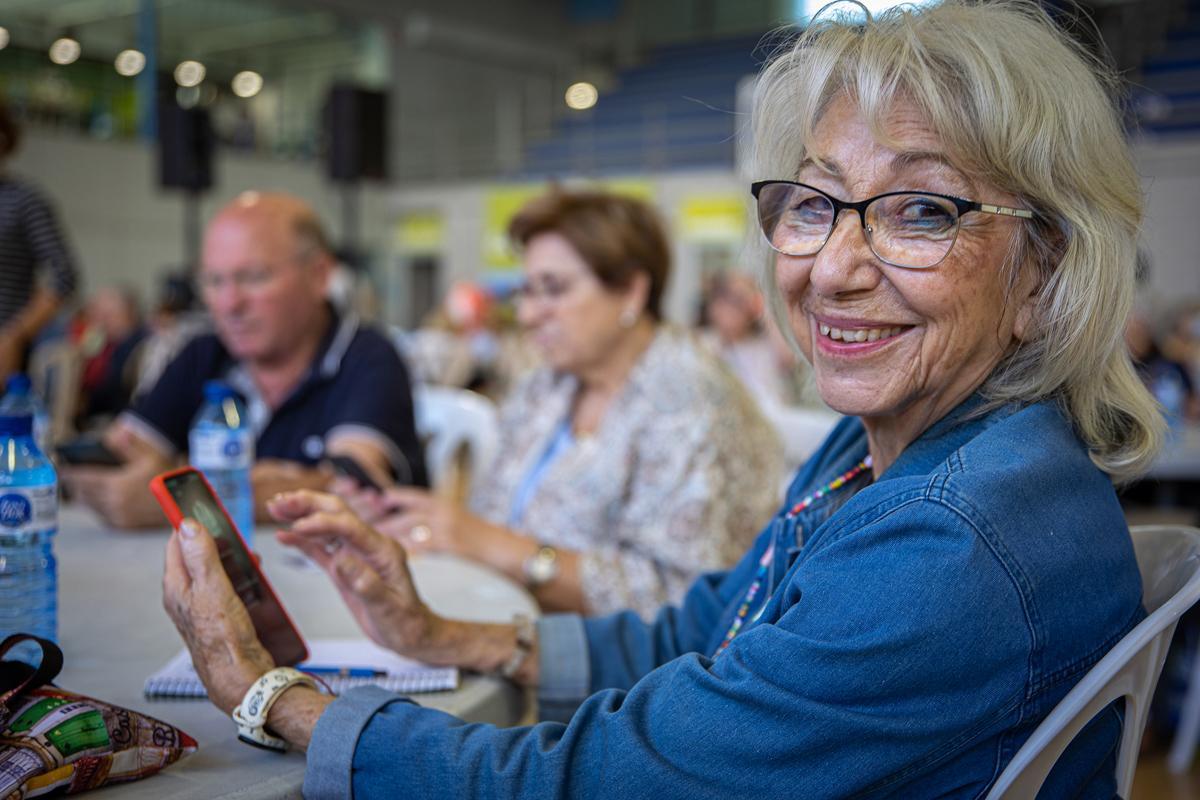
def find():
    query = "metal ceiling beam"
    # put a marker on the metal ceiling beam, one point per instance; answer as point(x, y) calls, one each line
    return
point(520, 31)
point(263, 33)
point(77, 13)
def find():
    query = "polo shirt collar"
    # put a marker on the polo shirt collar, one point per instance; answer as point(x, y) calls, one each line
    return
point(325, 366)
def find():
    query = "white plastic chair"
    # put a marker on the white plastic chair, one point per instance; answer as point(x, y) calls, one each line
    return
point(449, 420)
point(1169, 560)
point(802, 429)
point(55, 369)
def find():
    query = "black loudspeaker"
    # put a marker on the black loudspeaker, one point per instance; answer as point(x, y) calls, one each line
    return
point(356, 133)
point(185, 148)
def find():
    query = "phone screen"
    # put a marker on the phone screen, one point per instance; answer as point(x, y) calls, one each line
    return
point(194, 499)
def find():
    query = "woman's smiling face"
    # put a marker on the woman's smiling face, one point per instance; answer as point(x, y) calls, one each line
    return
point(930, 336)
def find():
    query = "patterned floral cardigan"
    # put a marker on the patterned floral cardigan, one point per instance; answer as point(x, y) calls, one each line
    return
point(677, 480)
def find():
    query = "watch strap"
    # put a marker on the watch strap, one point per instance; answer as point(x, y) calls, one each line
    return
point(251, 715)
point(524, 646)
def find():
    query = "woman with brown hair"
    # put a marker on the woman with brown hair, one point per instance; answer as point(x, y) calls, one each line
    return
point(633, 461)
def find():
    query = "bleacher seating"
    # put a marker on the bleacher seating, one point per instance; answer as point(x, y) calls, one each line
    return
point(674, 110)
point(1167, 102)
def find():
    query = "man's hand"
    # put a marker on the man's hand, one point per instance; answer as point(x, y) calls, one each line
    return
point(214, 623)
point(272, 476)
point(369, 570)
point(118, 494)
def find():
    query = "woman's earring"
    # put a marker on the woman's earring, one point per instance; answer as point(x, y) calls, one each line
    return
point(628, 318)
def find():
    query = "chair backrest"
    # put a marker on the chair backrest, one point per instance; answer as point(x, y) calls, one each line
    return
point(56, 369)
point(451, 420)
point(802, 429)
point(1169, 560)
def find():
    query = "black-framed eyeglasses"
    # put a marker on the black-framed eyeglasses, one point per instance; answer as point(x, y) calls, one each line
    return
point(914, 230)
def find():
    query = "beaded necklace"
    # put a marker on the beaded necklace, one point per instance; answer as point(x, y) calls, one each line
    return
point(764, 563)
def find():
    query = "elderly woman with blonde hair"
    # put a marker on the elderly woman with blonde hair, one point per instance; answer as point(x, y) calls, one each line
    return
point(952, 210)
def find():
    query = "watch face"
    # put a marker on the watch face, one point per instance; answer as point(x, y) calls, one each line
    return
point(542, 566)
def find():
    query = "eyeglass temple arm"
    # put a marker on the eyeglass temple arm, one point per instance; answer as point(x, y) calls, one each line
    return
point(1004, 211)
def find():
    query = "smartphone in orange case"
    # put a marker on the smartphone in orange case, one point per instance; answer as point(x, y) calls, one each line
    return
point(184, 493)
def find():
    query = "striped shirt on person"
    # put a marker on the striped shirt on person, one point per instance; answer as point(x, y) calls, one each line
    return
point(30, 239)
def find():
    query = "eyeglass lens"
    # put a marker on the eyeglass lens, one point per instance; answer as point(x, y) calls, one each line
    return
point(907, 230)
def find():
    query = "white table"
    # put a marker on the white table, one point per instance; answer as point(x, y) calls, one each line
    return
point(114, 633)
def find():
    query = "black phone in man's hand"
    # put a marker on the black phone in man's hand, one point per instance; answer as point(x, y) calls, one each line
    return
point(89, 451)
point(348, 467)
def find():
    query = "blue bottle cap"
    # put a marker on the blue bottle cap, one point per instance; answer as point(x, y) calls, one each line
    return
point(19, 384)
point(216, 391)
point(16, 426)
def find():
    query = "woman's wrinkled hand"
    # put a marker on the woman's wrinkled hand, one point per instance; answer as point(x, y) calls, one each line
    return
point(370, 570)
point(214, 623)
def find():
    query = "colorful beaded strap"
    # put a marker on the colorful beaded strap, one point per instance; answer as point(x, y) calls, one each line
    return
point(764, 563)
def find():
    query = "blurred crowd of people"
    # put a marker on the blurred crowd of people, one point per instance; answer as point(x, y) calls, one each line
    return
point(1166, 351)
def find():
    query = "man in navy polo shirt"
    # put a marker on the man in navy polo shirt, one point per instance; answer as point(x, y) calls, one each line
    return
point(315, 383)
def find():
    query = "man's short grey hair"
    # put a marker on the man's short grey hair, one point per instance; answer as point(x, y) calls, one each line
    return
point(1019, 105)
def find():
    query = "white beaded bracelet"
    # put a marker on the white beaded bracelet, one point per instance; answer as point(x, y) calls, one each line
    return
point(251, 714)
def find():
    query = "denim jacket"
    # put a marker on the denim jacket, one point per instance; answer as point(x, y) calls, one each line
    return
point(912, 634)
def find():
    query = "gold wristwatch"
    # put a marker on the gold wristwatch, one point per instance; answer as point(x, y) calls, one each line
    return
point(541, 567)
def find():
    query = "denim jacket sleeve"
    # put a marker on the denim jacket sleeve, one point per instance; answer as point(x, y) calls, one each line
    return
point(854, 690)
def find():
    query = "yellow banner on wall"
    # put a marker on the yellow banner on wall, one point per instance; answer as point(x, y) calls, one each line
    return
point(713, 217)
point(420, 232)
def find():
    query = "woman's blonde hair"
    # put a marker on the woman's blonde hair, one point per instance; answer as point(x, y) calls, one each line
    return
point(1021, 106)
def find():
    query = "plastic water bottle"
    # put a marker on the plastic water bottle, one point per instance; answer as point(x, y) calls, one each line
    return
point(28, 523)
point(20, 399)
point(221, 445)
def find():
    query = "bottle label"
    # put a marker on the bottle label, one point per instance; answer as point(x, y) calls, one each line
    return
point(221, 449)
point(28, 509)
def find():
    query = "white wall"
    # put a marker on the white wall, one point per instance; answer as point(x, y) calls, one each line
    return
point(1171, 233)
point(127, 230)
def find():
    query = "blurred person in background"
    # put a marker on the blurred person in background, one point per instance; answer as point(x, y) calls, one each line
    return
point(173, 323)
point(632, 461)
point(111, 340)
point(738, 334)
point(1169, 380)
point(315, 383)
point(37, 270)
point(471, 340)
point(1181, 344)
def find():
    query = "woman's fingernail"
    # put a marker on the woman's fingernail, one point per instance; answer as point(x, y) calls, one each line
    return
point(188, 529)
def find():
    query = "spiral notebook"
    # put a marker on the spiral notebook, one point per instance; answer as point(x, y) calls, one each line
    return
point(396, 674)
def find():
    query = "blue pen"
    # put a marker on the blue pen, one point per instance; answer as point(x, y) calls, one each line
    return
point(342, 672)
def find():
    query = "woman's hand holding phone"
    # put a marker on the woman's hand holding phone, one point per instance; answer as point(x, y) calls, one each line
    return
point(214, 623)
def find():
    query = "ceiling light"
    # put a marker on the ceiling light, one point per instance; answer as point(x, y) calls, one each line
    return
point(129, 62)
point(3, 38)
point(582, 95)
point(189, 74)
point(65, 51)
point(247, 83)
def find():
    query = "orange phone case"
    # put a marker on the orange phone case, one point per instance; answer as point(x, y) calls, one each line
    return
point(287, 650)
